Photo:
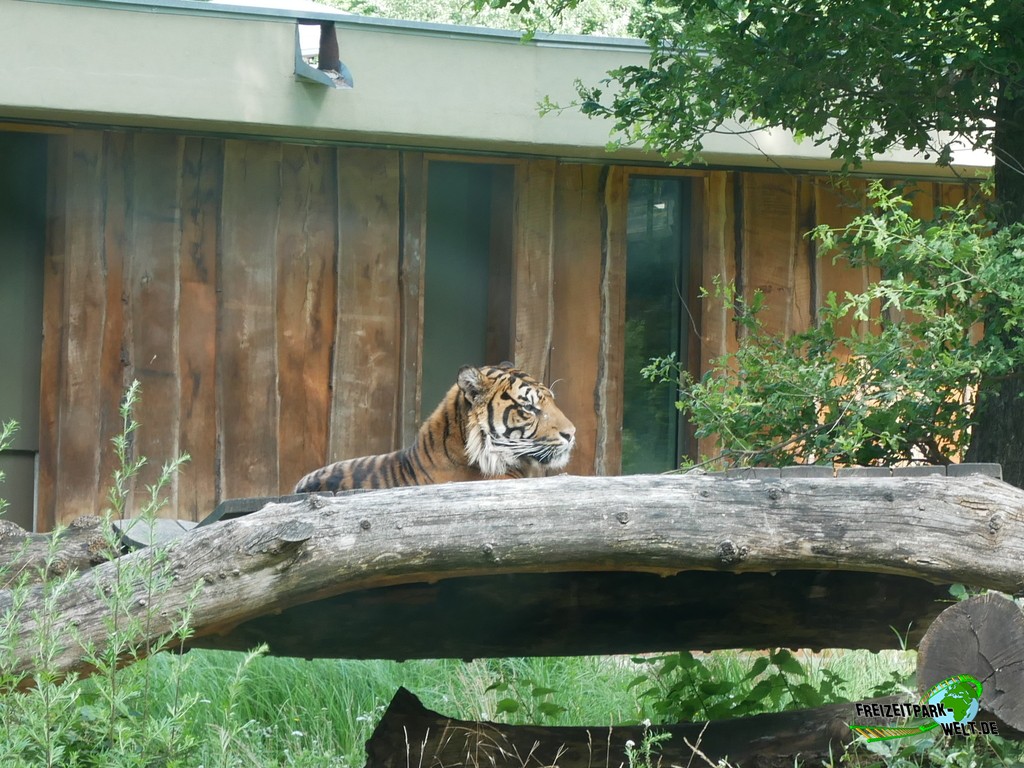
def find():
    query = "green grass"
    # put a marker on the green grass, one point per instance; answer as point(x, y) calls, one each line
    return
point(294, 712)
point(284, 711)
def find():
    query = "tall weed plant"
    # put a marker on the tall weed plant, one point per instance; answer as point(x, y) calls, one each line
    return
point(112, 717)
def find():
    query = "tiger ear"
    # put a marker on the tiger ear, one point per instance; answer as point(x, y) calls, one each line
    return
point(471, 382)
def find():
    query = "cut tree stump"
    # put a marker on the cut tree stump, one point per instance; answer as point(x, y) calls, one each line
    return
point(411, 735)
point(983, 637)
point(938, 530)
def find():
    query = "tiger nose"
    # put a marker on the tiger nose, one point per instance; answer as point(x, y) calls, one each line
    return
point(569, 434)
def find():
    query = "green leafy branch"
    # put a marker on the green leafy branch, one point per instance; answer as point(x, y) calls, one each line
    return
point(891, 374)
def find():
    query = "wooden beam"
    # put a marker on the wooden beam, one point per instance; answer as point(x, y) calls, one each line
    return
point(248, 400)
point(612, 319)
point(941, 530)
point(533, 299)
point(771, 251)
point(202, 178)
point(78, 484)
point(410, 277)
point(576, 338)
point(307, 252)
point(365, 377)
point(151, 259)
point(409, 734)
point(52, 358)
point(837, 205)
point(718, 333)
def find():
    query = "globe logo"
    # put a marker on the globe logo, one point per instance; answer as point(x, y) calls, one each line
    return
point(951, 705)
point(959, 696)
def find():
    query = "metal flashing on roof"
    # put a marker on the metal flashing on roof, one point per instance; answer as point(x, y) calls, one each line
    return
point(280, 11)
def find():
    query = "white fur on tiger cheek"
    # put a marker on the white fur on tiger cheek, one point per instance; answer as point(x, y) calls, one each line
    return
point(481, 452)
point(560, 459)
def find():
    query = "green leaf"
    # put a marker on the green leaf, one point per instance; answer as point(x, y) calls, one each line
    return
point(506, 706)
point(550, 709)
point(787, 663)
point(760, 665)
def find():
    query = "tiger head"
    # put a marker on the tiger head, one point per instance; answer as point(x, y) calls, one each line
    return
point(512, 422)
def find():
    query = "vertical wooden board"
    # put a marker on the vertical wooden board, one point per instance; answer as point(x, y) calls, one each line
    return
point(805, 276)
point(202, 171)
point(692, 308)
point(115, 372)
point(153, 292)
point(307, 252)
point(718, 334)
point(367, 336)
point(769, 254)
point(576, 338)
point(77, 481)
point(924, 195)
point(533, 299)
point(51, 373)
point(612, 350)
point(836, 205)
point(411, 274)
point(952, 194)
point(247, 343)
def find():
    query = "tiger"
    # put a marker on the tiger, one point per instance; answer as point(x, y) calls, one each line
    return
point(495, 422)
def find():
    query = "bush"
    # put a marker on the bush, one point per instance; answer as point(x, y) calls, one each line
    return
point(901, 384)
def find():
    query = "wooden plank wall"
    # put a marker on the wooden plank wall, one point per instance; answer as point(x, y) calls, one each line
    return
point(268, 296)
point(207, 269)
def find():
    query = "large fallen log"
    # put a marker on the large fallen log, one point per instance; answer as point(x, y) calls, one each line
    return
point(942, 530)
point(410, 734)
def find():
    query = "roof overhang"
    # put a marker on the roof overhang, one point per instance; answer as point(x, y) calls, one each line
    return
point(226, 69)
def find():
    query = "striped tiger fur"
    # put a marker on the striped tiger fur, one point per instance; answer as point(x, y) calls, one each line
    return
point(495, 422)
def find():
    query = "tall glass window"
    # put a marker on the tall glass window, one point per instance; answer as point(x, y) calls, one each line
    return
point(22, 248)
point(467, 280)
point(657, 267)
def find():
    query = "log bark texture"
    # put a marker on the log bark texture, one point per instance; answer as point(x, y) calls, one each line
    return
point(34, 556)
point(968, 530)
point(410, 734)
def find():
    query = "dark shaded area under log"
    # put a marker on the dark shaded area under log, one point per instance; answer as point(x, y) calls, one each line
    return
point(536, 614)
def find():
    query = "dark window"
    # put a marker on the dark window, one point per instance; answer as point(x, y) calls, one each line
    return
point(468, 272)
point(22, 231)
point(657, 319)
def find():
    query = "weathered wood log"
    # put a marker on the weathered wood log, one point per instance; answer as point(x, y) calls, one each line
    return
point(410, 734)
point(968, 530)
point(983, 637)
point(34, 556)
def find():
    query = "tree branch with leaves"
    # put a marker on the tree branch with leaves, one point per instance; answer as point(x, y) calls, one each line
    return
point(901, 385)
